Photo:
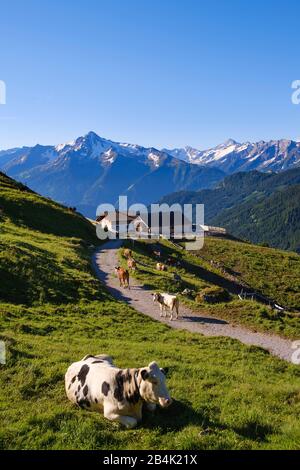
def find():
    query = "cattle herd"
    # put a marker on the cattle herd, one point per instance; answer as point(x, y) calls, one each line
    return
point(168, 303)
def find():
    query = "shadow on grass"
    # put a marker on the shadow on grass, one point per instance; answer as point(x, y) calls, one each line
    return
point(176, 417)
point(180, 415)
point(213, 278)
point(15, 354)
point(254, 431)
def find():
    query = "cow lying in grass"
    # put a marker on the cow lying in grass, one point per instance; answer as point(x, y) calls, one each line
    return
point(167, 302)
point(95, 384)
point(123, 276)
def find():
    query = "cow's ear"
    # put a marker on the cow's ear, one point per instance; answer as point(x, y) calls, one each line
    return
point(145, 374)
point(165, 370)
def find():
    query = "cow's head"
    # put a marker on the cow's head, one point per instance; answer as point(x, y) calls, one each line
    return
point(153, 388)
point(117, 268)
point(156, 297)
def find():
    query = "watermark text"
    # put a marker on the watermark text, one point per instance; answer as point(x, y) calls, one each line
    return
point(2, 92)
point(175, 222)
point(296, 93)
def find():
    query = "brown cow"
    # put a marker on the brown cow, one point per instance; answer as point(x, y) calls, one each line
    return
point(123, 276)
point(127, 253)
point(131, 264)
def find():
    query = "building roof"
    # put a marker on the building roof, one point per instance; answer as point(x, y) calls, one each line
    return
point(116, 215)
point(210, 228)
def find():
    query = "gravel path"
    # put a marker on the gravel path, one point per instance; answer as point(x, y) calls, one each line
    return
point(106, 258)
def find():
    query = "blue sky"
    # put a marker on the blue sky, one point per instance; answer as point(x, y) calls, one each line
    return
point(155, 72)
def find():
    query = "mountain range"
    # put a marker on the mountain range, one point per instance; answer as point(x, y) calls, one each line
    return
point(92, 170)
point(231, 156)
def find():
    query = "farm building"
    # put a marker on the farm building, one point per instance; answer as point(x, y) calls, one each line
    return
point(120, 222)
point(211, 231)
point(146, 225)
point(175, 225)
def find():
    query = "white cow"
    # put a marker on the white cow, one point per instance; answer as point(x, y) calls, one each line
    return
point(167, 302)
point(95, 384)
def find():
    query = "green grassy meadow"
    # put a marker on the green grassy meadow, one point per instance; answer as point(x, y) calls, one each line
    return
point(278, 278)
point(53, 311)
point(276, 273)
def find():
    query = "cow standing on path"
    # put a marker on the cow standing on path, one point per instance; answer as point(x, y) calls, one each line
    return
point(123, 276)
point(131, 264)
point(166, 302)
point(96, 384)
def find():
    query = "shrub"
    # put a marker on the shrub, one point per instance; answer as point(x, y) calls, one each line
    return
point(213, 294)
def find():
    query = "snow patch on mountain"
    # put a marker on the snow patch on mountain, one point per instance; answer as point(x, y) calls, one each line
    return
point(60, 147)
point(109, 157)
point(154, 158)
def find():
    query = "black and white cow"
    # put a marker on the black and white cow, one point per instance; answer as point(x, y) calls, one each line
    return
point(96, 384)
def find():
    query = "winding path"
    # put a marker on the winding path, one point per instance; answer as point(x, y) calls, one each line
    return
point(106, 258)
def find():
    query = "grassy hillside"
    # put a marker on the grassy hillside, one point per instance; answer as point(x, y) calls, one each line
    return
point(274, 219)
point(43, 249)
point(227, 395)
point(275, 273)
point(272, 272)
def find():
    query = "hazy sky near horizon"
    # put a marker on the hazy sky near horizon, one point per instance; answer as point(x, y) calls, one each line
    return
point(164, 73)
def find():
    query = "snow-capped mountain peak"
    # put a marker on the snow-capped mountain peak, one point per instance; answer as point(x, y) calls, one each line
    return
point(232, 156)
point(229, 142)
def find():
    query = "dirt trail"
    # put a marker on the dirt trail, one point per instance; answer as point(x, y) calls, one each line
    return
point(106, 258)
